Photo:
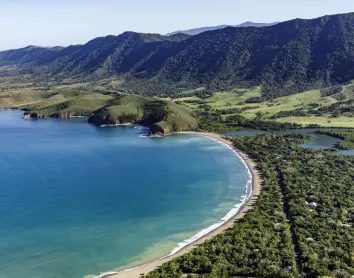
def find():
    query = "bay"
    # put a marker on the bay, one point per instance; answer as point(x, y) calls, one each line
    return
point(78, 200)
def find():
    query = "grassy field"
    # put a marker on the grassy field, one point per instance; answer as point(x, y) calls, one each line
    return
point(164, 116)
point(236, 98)
point(82, 105)
point(288, 103)
point(84, 98)
point(323, 121)
point(103, 99)
point(178, 116)
point(43, 95)
point(221, 100)
point(304, 101)
point(129, 105)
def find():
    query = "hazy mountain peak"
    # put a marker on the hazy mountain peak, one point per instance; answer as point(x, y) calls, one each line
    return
point(199, 30)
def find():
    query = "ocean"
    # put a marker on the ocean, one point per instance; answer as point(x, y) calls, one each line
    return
point(78, 200)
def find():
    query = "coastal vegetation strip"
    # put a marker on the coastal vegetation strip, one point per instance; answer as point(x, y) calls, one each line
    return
point(259, 245)
point(318, 189)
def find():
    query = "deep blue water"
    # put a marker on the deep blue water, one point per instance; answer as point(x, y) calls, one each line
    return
point(78, 200)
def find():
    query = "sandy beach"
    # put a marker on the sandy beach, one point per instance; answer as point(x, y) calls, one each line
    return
point(256, 188)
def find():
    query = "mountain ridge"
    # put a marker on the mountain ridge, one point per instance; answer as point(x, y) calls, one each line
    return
point(196, 31)
point(285, 58)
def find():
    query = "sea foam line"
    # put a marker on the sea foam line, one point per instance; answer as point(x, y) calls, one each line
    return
point(232, 213)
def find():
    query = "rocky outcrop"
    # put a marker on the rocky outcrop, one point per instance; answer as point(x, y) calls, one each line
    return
point(29, 115)
point(65, 115)
point(102, 120)
point(62, 115)
point(157, 130)
point(165, 128)
point(163, 117)
point(105, 118)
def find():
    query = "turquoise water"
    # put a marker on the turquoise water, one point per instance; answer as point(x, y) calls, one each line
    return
point(78, 200)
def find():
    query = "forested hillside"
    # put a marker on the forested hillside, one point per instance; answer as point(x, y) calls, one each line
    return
point(28, 56)
point(285, 58)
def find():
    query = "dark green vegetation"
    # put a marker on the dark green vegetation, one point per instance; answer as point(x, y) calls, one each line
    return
point(214, 121)
point(286, 58)
point(257, 123)
point(331, 91)
point(347, 137)
point(337, 109)
point(313, 189)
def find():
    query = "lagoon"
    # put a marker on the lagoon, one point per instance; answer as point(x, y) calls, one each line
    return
point(319, 142)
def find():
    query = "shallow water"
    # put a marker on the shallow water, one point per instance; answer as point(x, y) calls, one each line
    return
point(78, 200)
point(320, 141)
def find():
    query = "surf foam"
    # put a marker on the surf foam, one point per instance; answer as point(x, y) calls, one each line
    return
point(232, 213)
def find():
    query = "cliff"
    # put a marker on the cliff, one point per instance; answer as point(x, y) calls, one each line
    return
point(39, 115)
point(162, 116)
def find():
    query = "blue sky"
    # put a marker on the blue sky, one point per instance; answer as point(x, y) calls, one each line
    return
point(65, 22)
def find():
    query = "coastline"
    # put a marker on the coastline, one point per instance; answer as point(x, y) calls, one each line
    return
point(113, 125)
point(238, 212)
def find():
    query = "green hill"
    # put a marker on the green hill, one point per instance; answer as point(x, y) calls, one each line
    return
point(112, 109)
point(163, 117)
point(83, 105)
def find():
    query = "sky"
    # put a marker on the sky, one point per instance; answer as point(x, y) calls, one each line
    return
point(67, 22)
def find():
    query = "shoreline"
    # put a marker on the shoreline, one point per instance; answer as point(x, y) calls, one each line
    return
point(236, 213)
point(113, 125)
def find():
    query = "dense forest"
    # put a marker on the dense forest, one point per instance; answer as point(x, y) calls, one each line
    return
point(213, 121)
point(258, 123)
point(286, 58)
point(302, 223)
